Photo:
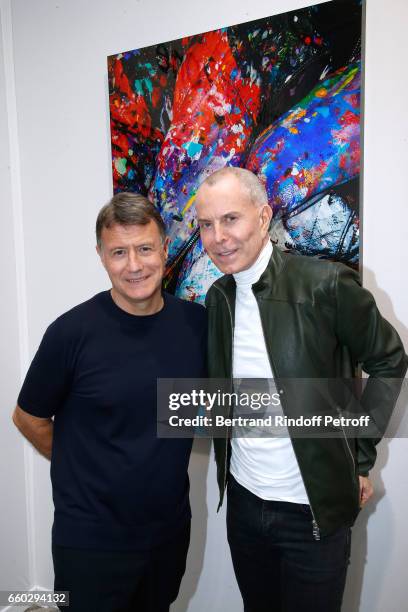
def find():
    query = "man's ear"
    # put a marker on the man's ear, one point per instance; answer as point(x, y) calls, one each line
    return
point(166, 246)
point(266, 217)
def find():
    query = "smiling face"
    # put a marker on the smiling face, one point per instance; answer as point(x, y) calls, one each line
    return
point(134, 257)
point(233, 229)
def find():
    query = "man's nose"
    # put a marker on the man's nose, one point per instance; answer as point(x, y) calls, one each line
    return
point(135, 262)
point(219, 233)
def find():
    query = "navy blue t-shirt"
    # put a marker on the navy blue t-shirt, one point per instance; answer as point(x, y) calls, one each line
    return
point(115, 484)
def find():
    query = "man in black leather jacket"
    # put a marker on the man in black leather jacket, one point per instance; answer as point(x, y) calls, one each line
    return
point(291, 502)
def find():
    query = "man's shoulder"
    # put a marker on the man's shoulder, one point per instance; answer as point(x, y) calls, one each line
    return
point(185, 308)
point(309, 264)
point(308, 270)
point(73, 320)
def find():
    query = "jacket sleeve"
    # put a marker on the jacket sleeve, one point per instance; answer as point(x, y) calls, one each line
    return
point(376, 346)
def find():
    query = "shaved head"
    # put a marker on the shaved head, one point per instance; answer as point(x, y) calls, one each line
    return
point(247, 180)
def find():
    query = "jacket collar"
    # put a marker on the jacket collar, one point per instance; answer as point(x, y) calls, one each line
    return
point(265, 286)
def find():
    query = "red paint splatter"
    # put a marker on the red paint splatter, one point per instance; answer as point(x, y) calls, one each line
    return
point(349, 118)
point(207, 102)
point(121, 81)
point(156, 96)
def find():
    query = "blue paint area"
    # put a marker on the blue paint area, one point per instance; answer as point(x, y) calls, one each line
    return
point(192, 148)
point(314, 145)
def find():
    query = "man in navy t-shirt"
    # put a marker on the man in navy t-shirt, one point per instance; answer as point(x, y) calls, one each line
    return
point(122, 515)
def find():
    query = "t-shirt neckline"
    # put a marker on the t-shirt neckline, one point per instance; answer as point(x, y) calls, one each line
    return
point(123, 315)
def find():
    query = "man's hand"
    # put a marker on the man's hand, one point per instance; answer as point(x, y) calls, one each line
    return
point(366, 490)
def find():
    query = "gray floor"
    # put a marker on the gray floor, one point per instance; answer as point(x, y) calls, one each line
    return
point(33, 608)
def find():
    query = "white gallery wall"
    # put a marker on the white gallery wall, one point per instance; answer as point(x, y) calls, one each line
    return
point(55, 174)
point(14, 564)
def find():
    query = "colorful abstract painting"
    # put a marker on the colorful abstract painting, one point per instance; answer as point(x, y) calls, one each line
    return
point(279, 96)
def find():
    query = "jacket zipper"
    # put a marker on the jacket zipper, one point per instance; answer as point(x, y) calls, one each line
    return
point(231, 377)
point(315, 526)
point(347, 443)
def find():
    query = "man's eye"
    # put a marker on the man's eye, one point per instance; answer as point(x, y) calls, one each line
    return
point(145, 249)
point(118, 253)
point(204, 225)
point(230, 219)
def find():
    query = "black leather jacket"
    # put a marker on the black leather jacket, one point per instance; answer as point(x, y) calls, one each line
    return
point(318, 323)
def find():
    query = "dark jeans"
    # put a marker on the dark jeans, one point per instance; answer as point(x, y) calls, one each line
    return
point(122, 581)
point(278, 564)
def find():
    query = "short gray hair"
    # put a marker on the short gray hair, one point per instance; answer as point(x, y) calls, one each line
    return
point(127, 208)
point(254, 186)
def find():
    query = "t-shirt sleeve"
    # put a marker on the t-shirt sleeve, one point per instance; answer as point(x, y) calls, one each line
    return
point(48, 378)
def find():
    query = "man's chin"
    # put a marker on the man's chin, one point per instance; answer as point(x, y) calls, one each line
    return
point(227, 268)
point(227, 265)
point(140, 291)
